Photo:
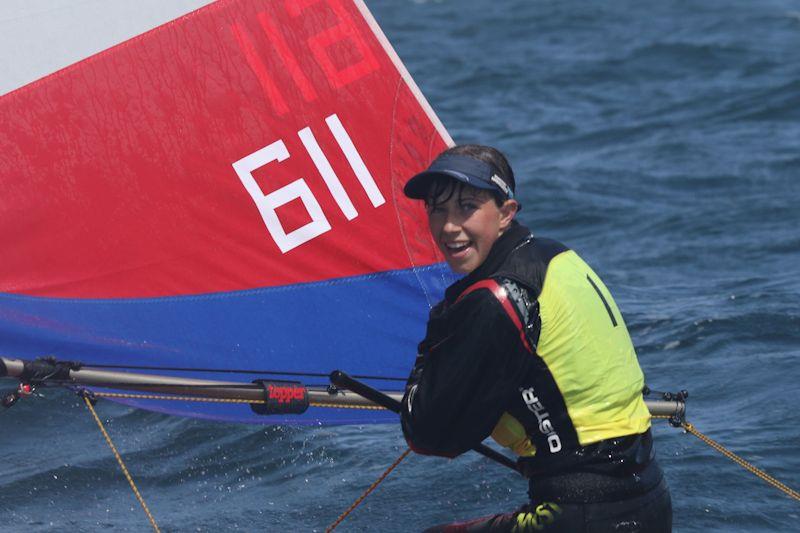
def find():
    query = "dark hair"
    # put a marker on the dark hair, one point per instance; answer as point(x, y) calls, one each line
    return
point(488, 155)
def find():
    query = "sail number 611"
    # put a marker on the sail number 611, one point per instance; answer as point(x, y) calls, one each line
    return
point(268, 203)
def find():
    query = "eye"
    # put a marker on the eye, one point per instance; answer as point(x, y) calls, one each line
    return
point(468, 205)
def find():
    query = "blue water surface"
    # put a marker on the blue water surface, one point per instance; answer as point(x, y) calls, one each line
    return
point(661, 140)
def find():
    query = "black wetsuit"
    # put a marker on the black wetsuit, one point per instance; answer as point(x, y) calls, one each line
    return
point(531, 349)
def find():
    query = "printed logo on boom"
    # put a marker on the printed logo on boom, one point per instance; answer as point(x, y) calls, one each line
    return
point(285, 394)
point(535, 406)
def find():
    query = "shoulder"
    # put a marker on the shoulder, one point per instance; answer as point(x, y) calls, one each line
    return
point(538, 250)
point(485, 301)
point(527, 264)
point(497, 301)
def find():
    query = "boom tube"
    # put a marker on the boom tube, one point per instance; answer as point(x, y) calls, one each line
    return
point(251, 392)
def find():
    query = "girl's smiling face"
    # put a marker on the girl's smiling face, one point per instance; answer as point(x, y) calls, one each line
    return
point(465, 222)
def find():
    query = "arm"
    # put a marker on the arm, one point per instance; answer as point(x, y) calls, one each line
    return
point(460, 386)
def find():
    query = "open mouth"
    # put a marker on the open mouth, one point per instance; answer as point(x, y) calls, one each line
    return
point(457, 248)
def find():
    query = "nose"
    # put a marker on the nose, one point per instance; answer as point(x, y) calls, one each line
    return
point(451, 226)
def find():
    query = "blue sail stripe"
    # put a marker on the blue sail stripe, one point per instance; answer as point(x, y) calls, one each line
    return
point(363, 325)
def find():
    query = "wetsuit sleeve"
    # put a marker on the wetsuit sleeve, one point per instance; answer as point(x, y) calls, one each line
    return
point(458, 390)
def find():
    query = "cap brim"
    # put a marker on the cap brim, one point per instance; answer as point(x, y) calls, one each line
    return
point(419, 185)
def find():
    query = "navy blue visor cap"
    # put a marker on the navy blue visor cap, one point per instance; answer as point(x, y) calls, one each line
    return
point(463, 168)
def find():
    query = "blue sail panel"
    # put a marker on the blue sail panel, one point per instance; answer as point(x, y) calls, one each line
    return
point(363, 325)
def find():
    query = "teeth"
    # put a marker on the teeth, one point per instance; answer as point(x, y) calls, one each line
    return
point(456, 247)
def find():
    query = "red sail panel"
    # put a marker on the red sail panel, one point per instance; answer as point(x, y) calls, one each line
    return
point(246, 144)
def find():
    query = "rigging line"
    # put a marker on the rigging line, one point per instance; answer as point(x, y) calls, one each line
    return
point(312, 403)
point(238, 371)
point(121, 463)
point(127, 384)
point(368, 491)
point(210, 386)
point(689, 428)
point(176, 398)
point(741, 462)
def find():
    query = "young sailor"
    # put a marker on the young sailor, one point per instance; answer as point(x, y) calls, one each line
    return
point(530, 348)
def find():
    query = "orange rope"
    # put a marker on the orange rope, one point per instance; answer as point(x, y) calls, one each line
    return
point(122, 465)
point(218, 400)
point(738, 460)
point(368, 491)
point(741, 462)
point(168, 397)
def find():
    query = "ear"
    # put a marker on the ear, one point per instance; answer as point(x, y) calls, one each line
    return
point(507, 213)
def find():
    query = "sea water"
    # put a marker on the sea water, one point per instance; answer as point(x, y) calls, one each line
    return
point(661, 140)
